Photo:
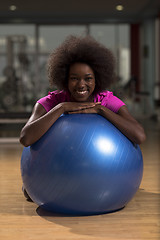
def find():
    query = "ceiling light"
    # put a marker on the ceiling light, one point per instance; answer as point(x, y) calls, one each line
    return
point(12, 8)
point(119, 7)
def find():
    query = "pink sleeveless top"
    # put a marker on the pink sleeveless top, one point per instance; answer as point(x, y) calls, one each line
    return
point(106, 98)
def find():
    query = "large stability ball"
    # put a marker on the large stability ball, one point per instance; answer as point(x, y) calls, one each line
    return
point(83, 165)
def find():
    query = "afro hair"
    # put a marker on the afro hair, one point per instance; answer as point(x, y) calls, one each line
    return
point(85, 50)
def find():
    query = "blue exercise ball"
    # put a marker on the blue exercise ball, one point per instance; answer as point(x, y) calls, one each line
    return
point(82, 165)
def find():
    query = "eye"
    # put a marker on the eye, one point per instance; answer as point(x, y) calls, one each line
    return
point(88, 79)
point(73, 78)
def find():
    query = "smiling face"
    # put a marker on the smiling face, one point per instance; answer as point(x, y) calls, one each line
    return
point(81, 82)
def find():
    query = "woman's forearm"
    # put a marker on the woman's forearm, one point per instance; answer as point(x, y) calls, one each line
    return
point(36, 128)
point(125, 123)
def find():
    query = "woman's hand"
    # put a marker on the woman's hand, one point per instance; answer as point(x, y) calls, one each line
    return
point(86, 107)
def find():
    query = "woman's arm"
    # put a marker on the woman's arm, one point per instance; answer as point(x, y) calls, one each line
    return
point(40, 120)
point(122, 120)
point(125, 123)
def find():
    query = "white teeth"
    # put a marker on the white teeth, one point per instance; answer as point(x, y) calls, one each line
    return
point(81, 92)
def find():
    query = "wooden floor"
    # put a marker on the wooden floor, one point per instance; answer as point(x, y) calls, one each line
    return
point(140, 219)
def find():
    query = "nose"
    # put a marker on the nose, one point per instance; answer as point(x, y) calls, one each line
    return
point(81, 83)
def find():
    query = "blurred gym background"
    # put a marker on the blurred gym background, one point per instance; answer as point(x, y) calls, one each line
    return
point(30, 30)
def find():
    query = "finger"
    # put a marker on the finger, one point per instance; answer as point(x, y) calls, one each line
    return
point(72, 112)
point(84, 108)
point(87, 105)
point(76, 112)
